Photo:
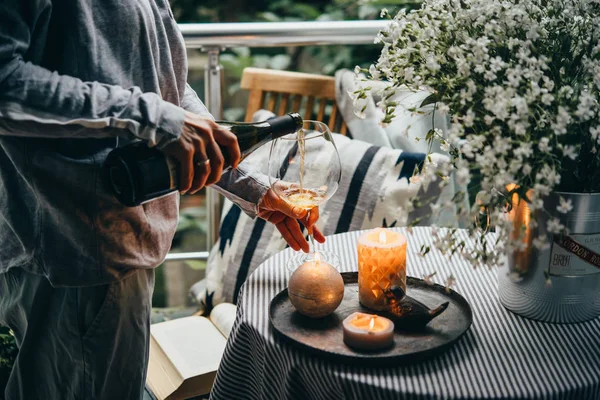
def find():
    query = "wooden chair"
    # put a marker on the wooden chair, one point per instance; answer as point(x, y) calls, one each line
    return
point(283, 91)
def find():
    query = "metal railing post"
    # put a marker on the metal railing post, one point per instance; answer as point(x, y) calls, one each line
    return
point(214, 103)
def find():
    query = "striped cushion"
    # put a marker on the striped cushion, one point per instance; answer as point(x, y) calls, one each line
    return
point(373, 191)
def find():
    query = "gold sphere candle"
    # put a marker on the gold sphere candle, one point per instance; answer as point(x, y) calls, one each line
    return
point(316, 289)
point(381, 264)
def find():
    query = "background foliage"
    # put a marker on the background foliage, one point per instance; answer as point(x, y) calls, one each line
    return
point(312, 59)
point(8, 352)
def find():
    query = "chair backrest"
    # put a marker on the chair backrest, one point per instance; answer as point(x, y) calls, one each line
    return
point(313, 96)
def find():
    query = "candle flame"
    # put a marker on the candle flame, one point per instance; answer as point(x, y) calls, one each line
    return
point(372, 324)
point(382, 237)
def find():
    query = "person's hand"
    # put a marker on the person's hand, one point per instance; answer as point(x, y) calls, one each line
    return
point(285, 217)
point(200, 158)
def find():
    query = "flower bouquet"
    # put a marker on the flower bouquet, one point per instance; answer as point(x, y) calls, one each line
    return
point(520, 83)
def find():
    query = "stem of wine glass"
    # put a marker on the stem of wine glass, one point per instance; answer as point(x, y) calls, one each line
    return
point(313, 248)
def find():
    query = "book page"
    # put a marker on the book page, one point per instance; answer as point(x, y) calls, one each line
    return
point(193, 344)
point(223, 317)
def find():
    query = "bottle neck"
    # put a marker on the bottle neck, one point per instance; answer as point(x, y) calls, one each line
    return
point(276, 126)
point(285, 125)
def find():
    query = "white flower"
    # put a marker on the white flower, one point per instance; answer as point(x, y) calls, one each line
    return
point(467, 150)
point(463, 67)
point(444, 145)
point(586, 107)
point(432, 64)
point(463, 176)
point(469, 118)
point(490, 75)
point(533, 34)
point(570, 151)
point(513, 76)
point(524, 150)
point(375, 74)
point(554, 226)
point(541, 243)
point(565, 206)
point(537, 204)
point(520, 105)
point(357, 70)
point(384, 13)
point(547, 99)
point(544, 146)
point(443, 108)
point(526, 169)
point(548, 83)
point(542, 189)
point(496, 64)
point(563, 118)
point(548, 174)
point(566, 91)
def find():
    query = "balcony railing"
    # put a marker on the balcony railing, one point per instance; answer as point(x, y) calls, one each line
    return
point(213, 38)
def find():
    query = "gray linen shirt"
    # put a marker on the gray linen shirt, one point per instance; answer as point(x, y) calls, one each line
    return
point(77, 79)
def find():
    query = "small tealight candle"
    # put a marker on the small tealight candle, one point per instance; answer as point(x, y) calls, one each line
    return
point(381, 264)
point(368, 332)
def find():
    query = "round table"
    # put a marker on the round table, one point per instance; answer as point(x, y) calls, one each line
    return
point(501, 356)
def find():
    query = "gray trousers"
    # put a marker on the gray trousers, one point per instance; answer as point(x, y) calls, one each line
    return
point(86, 343)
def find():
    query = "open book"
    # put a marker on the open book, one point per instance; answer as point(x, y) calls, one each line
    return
point(185, 353)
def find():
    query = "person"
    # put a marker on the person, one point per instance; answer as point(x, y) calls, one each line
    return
point(78, 79)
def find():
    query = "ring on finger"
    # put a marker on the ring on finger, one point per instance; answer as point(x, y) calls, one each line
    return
point(204, 163)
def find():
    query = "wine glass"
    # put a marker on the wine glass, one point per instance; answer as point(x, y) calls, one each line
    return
point(305, 171)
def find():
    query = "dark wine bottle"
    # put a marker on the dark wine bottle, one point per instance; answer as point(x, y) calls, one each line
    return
point(137, 173)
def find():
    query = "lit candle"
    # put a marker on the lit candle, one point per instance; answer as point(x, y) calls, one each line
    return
point(368, 332)
point(316, 288)
point(381, 264)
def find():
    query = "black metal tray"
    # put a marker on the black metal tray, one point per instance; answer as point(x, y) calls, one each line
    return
point(324, 336)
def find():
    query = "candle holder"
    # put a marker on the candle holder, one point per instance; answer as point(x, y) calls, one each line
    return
point(298, 260)
point(381, 265)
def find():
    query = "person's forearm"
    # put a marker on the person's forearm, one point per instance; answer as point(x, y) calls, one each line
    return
point(35, 101)
point(244, 188)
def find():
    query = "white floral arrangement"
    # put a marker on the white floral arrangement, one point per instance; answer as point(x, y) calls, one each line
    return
point(520, 82)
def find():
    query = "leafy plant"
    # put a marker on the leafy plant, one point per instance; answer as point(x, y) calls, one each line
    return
point(8, 354)
point(520, 80)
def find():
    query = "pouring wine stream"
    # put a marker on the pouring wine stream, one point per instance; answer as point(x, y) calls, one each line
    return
point(302, 150)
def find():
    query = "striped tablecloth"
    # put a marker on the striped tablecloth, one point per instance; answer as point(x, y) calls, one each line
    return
point(501, 356)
